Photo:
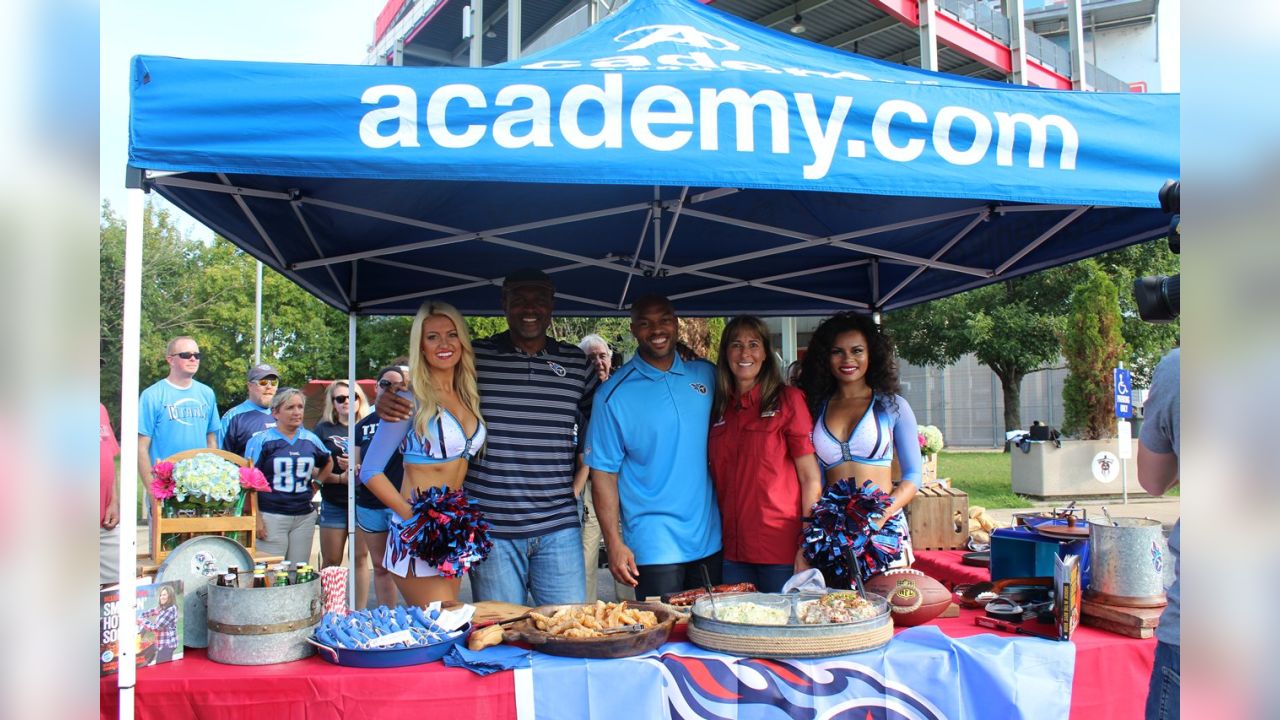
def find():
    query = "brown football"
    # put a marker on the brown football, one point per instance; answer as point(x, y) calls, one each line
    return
point(914, 598)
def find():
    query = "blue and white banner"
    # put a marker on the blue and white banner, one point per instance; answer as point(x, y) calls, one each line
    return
point(665, 92)
point(921, 675)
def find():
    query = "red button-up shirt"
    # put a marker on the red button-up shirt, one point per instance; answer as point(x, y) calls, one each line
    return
point(753, 466)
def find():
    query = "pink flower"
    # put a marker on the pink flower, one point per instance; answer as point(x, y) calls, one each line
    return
point(253, 479)
point(162, 485)
point(922, 439)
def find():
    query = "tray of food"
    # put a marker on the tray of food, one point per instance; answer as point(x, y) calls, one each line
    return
point(602, 630)
point(792, 625)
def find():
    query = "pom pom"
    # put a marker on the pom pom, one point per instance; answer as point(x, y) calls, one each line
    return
point(162, 482)
point(253, 479)
point(842, 531)
point(445, 531)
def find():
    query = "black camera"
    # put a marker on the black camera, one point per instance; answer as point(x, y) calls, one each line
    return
point(1159, 296)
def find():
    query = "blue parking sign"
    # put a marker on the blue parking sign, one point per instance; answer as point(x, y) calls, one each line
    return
point(1124, 393)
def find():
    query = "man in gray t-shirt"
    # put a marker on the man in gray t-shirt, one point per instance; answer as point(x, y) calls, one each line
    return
point(1158, 451)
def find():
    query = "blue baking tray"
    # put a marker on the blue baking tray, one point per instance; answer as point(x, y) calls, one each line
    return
point(388, 657)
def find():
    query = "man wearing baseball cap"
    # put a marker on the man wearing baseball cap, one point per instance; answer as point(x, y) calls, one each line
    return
point(254, 414)
point(533, 390)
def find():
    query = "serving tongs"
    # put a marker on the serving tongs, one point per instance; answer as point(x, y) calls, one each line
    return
point(706, 583)
point(632, 628)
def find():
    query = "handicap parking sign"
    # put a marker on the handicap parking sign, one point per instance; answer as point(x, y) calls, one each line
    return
point(1124, 393)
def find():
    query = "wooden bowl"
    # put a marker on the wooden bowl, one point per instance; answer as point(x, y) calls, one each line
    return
point(608, 646)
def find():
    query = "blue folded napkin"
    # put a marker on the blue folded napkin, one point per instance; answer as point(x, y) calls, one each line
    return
point(489, 660)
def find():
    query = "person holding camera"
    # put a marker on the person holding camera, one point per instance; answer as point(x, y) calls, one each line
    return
point(1158, 450)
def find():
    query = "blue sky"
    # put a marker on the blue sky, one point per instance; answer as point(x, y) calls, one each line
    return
point(309, 31)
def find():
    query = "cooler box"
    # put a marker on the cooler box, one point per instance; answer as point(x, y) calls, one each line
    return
point(1023, 552)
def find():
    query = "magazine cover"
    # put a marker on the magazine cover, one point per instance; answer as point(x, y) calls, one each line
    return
point(159, 621)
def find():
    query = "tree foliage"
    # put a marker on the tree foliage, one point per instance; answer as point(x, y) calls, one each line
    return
point(1015, 327)
point(1093, 345)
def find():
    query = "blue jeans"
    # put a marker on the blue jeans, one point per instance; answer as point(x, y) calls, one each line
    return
point(1163, 695)
point(548, 567)
point(766, 578)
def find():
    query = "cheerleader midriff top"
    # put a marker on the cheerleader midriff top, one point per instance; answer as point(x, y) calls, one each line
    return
point(888, 421)
point(445, 440)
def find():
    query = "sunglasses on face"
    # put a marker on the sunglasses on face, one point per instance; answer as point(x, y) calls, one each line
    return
point(187, 355)
point(341, 398)
point(268, 382)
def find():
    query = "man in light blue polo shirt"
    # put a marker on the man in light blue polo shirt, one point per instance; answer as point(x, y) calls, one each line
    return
point(647, 449)
point(178, 412)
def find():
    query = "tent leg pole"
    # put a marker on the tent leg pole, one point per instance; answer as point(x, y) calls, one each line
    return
point(131, 334)
point(352, 556)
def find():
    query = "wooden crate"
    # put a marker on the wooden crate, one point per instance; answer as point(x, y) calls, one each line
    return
point(246, 523)
point(932, 517)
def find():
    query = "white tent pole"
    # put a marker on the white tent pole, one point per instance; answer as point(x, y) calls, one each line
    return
point(131, 334)
point(257, 318)
point(351, 475)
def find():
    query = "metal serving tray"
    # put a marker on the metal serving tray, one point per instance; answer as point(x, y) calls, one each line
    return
point(794, 629)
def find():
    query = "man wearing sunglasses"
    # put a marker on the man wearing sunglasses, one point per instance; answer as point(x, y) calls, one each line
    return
point(178, 412)
point(254, 414)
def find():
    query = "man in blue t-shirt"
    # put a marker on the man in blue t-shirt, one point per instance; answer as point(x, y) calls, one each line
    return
point(254, 414)
point(177, 413)
point(647, 449)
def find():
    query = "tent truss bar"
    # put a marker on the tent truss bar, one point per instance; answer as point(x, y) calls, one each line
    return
point(713, 194)
point(635, 259)
point(656, 216)
point(671, 228)
point(1043, 237)
point(227, 189)
point(459, 234)
point(306, 227)
point(474, 281)
point(808, 240)
point(766, 283)
point(606, 264)
point(982, 217)
point(253, 220)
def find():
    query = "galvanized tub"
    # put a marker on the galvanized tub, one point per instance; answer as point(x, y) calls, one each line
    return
point(263, 626)
point(1129, 562)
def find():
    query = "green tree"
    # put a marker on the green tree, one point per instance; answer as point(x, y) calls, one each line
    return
point(1014, 327)
point(1005, 325)
point(1093, 345)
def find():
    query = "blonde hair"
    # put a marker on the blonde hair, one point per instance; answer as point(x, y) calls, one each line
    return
point(464, 373)
point(330, 412)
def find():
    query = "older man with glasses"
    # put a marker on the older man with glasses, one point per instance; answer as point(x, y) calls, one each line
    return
point(178, 412)
point(252, 416)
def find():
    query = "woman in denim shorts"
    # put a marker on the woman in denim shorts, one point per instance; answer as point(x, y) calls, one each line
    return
point(332, 429)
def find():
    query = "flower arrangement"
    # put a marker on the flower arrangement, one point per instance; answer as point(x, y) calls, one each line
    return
point(930, 440)
point(204, 482)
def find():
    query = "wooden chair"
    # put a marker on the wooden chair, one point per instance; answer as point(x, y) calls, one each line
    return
point(247, 523)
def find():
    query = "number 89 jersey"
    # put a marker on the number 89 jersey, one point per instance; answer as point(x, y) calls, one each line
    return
point(288, 466)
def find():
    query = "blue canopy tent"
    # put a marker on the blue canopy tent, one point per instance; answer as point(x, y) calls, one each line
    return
point(671, 148)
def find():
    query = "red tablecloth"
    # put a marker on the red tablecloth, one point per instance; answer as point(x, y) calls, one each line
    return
point(196, 687)
point(948, 568)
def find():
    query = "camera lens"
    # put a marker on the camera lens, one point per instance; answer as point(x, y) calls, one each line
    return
point(1158, 297)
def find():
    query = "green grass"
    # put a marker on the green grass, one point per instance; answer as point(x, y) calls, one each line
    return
point(985, 476)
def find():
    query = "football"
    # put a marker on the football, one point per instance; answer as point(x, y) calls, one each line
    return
point(914, 598)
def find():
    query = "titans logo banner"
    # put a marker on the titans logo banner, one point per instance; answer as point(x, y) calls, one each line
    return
point(921, 675)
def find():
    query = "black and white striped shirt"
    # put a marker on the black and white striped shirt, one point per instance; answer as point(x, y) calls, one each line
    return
point(532, 405)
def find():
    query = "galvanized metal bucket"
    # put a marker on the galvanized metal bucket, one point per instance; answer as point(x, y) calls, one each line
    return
point(1129, 562)
point(263, 626)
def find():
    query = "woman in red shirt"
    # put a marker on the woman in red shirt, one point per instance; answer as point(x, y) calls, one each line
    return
point(762, 460)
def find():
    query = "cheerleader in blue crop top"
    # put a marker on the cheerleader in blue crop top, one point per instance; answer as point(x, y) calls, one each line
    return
point(444, 432)
point(850, 381)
